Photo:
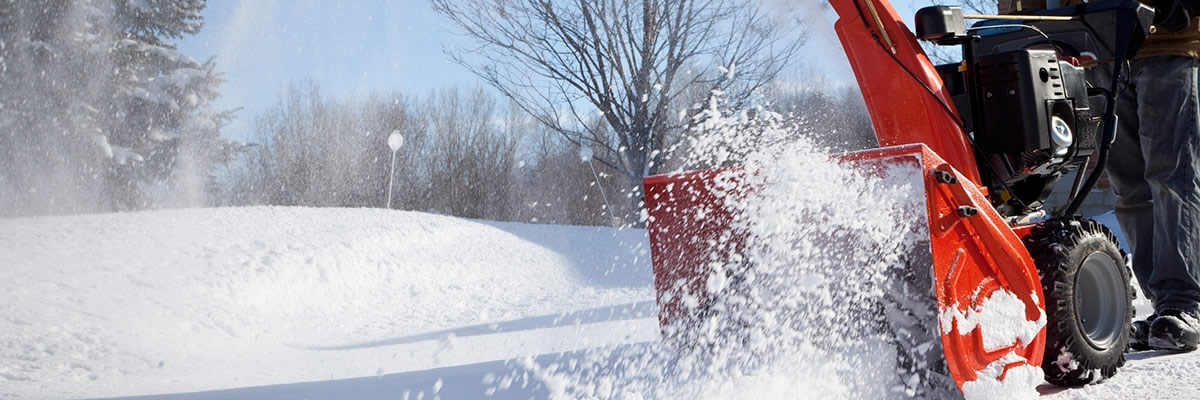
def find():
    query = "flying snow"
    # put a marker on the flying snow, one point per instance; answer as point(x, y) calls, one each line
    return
point(798, 306)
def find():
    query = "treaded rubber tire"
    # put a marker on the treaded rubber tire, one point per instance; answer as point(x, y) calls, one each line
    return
point(1060, 248)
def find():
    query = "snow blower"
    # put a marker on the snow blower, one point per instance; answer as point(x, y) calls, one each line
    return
point(993, 135)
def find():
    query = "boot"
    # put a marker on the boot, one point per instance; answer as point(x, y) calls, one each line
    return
point(1139, 339)
point(1175, 330)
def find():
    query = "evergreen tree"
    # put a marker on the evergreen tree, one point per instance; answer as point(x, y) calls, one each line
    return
point(98, 109)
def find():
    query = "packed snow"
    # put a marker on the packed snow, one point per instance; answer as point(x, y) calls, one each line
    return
point(994, 317)
point(1018, 382)
point(1001, 321)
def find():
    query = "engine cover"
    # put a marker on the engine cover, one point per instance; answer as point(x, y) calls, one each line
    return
point(1021, 92)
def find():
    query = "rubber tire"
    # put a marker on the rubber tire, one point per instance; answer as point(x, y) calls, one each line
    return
point(1059, 248)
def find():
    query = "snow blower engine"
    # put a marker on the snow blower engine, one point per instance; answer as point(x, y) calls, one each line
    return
point(1032, 101)
point(1024, 97)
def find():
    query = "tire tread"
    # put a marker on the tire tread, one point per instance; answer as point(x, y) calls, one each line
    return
point(1069, 359)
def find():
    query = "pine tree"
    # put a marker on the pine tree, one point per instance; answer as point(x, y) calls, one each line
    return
point(99, 111)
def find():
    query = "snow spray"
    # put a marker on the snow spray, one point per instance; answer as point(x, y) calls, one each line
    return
point(798, 311)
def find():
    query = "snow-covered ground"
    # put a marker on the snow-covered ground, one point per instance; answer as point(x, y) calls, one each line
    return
point(194, 300)
point(283, 303)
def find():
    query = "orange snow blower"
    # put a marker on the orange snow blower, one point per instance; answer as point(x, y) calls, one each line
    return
point(993, 135)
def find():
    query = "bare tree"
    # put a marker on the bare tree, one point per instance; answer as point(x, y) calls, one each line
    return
point(987, 6)
point(633, 63)
point(472, 156)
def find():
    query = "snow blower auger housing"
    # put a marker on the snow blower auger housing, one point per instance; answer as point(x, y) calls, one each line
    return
point(993, 134)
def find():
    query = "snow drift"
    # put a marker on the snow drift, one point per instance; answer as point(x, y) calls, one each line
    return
point(185, 300)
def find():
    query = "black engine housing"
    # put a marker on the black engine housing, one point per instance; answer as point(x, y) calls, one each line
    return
point(1024, 96)
point(1037, 122)
point(1021, 92)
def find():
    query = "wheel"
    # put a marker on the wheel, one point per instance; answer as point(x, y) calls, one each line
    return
point(1089, 301)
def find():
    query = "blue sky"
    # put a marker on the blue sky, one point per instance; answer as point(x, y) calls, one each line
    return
point(349, 48)
point(353, 48)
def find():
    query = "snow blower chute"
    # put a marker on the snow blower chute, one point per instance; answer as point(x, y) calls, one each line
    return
point(992, 135)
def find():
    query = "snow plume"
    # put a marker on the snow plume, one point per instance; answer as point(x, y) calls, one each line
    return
point(797, 308)
point(96, 105)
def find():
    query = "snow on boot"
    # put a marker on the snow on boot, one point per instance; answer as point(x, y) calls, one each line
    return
point(1140, 339)
point(1175, 330)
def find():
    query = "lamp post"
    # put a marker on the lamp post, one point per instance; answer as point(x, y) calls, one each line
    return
point(394, 142)
point(585, 155)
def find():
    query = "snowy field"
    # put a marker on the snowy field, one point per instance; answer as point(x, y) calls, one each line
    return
point(287, 303)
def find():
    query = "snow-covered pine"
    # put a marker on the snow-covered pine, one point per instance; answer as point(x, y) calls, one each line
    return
point(79, 78)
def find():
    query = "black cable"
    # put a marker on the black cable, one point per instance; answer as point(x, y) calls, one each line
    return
point(1106, 139)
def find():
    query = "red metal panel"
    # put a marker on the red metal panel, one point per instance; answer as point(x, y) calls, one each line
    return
point(973, 257)
point(905, 96)
point(689, 227)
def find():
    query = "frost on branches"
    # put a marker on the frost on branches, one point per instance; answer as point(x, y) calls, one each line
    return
point(99, 111)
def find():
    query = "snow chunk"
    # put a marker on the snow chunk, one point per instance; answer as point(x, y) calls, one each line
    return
point(102, 142)
point(728, 71)
point(1019, 382)
point(124, 155)
point(1000, 318)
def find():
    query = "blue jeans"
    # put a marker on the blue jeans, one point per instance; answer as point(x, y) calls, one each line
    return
point(1152, 168)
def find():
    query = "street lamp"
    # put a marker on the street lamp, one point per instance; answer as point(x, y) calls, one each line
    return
point(585, 155)
point(394, 142)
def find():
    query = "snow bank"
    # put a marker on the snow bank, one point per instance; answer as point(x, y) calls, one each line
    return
point(181, 300)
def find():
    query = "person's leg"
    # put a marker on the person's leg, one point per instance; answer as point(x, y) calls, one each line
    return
point(1134, 208)
point(1169, 129)
point(1126, 173)
point(1169, 112)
